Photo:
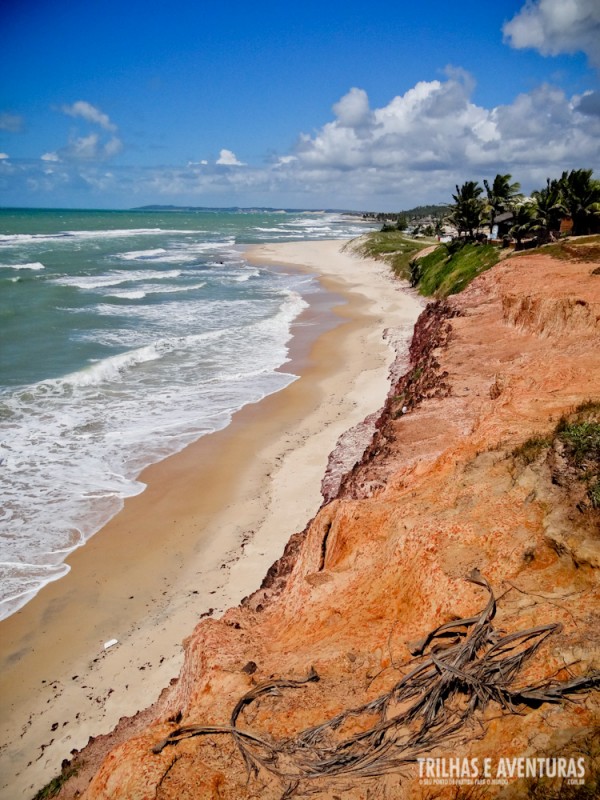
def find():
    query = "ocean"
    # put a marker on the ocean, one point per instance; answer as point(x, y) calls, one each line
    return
point(125, 336)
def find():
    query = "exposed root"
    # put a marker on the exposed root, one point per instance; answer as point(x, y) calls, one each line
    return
point(429, 706)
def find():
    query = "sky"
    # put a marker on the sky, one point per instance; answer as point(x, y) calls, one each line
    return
point(354, 105)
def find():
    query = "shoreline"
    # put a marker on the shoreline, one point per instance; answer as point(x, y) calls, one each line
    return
point(175, 552)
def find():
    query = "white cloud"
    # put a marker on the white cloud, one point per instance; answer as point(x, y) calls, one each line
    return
point(95, 145)
point(557, 26)
point(353, 110)
point(282, 161)
point(411, 150)
point(434, 130)
point(89, 113)
point(84, 146)
point(112, 147)
point(3, 156)
point(90, 148)
point(229, 159)
point(10, 122)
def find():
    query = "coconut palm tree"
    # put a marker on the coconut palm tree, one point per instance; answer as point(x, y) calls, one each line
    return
point(581, 198)
point(548, 209)
point(468, 211)
point(523, 221)
point(501, 196)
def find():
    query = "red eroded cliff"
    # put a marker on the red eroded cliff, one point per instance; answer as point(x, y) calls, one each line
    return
point(445, 488)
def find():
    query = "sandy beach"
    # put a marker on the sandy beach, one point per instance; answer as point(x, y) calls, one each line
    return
point(202, 535)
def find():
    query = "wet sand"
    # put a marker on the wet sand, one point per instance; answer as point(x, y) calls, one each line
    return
point(203, 534)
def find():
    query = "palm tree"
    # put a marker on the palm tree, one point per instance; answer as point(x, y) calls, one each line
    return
point(501, 196)
point(468, 211)
point(581, 197)
point(523, 220)
point(548, 209)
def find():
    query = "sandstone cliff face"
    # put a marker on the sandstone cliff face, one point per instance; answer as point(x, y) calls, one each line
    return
point(438, 493)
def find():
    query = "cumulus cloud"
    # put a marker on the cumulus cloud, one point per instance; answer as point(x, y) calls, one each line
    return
point(435, 130)
point(427, 127)
point(557, 26)
point(10, 122)
point(411, 150)
point(95, 145)
point(3, 156)
point(229, 159)
point(89, 113)
point(353, 110)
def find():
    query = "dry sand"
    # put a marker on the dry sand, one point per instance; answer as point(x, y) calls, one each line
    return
point(212, 520)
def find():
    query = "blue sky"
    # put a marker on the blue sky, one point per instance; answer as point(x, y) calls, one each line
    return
point(353, 104)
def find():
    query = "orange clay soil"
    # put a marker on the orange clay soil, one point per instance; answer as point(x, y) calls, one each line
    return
point(438, 493)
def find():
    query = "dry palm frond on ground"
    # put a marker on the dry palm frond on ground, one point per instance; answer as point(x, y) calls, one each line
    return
point(459, 669)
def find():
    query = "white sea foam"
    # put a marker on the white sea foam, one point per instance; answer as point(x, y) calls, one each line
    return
point(34, 265)
point(313, 226)
point(21, 582)
point(115, 278)
point(310, 223)
point(269, 230)
point(117, 233)
point(168, 370)
point(72, 447)
point(137, 294)
point(142, 255)
point(181, 253)
point(245, 276)
point(109, 369)
point(143, 291)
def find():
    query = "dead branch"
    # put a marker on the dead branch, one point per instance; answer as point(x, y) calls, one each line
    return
point(430, 705)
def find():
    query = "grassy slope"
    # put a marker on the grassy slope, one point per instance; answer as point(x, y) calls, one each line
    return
point(448, 270)
point(392, 247)
point(444, 272)
point(584, 248)
point(439, 273)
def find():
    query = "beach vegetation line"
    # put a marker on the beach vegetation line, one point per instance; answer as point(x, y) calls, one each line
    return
point(481, 222)
point(392, 246)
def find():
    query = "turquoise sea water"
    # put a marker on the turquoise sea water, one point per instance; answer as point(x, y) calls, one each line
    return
point(124, 336)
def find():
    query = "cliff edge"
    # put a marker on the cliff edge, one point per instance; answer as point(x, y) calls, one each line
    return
point(310, 686)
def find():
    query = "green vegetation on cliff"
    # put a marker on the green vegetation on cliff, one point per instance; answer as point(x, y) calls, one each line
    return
point(574, 448)
point(450, 268)
point(392, 247)
point(586, 248)
point(53, 788)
